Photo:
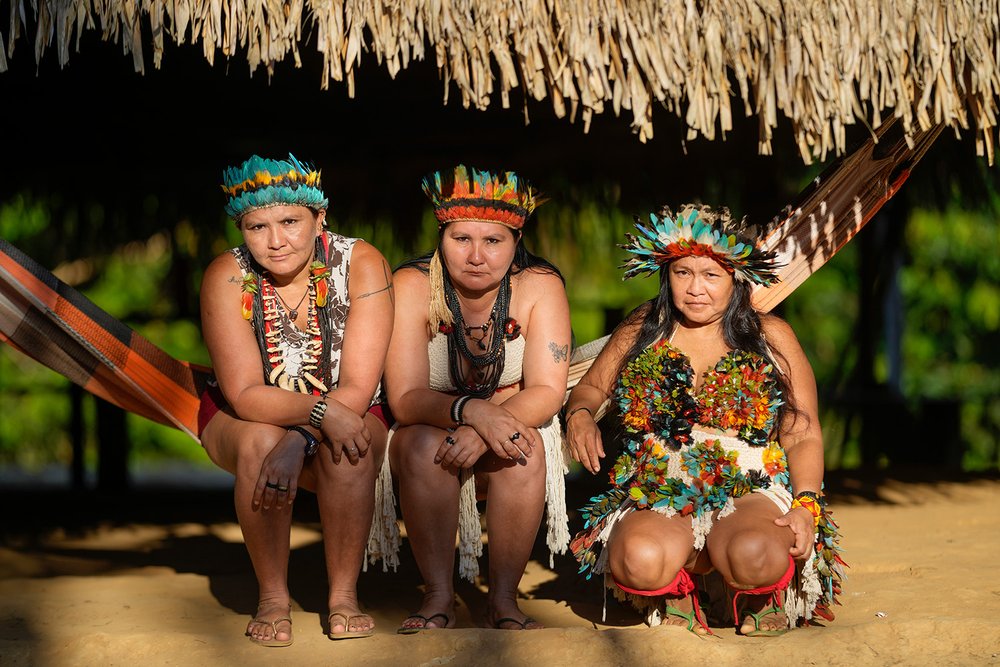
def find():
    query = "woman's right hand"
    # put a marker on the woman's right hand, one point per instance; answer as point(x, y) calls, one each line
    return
point(278, 481)
point(584, 438)
point(346, 432)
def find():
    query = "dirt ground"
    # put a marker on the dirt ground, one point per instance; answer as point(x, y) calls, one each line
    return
point(160, 576)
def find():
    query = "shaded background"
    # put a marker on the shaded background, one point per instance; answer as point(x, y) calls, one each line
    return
point(111, 180)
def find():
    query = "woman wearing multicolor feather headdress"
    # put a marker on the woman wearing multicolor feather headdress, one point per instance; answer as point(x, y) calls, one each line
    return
point(721, 468)
point(295, 405)
point(476, 373)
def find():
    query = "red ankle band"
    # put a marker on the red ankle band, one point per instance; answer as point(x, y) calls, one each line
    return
point(681, 585)
point(775, 588)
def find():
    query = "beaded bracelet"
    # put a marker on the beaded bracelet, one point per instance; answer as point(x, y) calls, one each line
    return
point(807, 500)
point(316, 415)
point(458, 407)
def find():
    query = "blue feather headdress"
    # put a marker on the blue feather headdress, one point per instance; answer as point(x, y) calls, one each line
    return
point(700, 231)
point(262, 182)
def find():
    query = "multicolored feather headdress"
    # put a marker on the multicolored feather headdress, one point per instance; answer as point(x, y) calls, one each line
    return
point(703, 232)
point(469, 194)
point(466, 194)
point(262, 182)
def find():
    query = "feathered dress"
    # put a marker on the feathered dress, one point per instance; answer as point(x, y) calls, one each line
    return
point(675, 460)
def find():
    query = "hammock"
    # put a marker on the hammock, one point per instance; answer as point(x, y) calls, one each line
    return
point(54, 324)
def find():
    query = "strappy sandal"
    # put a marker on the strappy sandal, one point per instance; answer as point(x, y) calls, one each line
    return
point(273, 642)
point(347, 633)
point(523, 625)
point(776, 607)
point(682, 586)
point(412, 630)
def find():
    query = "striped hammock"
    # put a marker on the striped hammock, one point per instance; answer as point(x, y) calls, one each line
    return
point(54, 324)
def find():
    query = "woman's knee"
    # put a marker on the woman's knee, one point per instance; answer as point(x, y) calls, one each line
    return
point(252, 443)
point(642, 561)
point(413, 448)
point(755, 558)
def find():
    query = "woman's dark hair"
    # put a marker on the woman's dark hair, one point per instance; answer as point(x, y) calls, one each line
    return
point(523, 259)
point(741, 329)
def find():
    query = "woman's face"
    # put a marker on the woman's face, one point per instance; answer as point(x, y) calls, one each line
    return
point(700, 289)
point(282, 238)
point(477, 254)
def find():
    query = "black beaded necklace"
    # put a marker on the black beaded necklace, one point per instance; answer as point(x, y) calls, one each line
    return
point(486, 367)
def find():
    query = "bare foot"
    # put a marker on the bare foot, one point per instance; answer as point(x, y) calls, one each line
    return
point(271, 625)
point(771, 620)
point(508, 616)
point(436, 612)
point(680, 611)
point(348, 622)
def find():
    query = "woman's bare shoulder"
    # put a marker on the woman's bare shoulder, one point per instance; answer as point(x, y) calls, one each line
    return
point(365, 253)
point(537, 282)
point(776, 330)
point(221, 269)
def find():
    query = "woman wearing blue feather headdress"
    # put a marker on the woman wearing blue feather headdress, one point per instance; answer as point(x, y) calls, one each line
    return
point(721, 468)
point(297, 322)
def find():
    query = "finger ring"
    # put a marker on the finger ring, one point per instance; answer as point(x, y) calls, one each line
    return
point(271, 485)
point(354, 449)
point(450, 440)
point(282, 489)
point(515, 436)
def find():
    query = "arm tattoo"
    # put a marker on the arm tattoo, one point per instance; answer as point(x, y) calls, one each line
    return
point(559, 353)
point(368, 294)
point(388, 287)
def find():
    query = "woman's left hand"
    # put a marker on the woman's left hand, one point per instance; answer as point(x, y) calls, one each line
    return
point(507, 436)
point(460, 448)
point(278, 481)
point(803, 526)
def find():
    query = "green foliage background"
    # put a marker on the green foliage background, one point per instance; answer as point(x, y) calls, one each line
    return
point(948, 286)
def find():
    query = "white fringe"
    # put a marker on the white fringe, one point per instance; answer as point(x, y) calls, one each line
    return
point(383, 538)
point(557, 529)
point(470, 531)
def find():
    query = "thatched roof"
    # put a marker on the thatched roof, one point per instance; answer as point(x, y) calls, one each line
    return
point(822, 64)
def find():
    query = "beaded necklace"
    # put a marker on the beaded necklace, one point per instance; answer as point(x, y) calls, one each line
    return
point(294, 359)
point(486, 367)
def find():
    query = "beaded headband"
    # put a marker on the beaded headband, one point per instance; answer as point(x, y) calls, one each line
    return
point(469, 194)
point(702, 232)
point(261, 183)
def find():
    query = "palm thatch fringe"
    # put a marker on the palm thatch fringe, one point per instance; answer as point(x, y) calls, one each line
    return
point(822, 64)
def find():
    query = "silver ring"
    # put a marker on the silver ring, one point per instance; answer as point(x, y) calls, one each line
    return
point(353, 449)
point(450, 440)
point(272, 485)
point(516, 436)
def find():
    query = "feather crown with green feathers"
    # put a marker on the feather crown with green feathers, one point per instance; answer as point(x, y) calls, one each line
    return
point(702, 232)
point(263, 182)
point(469, 194)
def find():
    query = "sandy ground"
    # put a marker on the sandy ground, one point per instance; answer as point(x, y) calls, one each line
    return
point(160, 577)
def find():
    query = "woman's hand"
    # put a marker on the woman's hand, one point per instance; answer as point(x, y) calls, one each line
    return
point(461, 448)
point(345, 432)
point(803, 526)
point(507, 436)
point(278, 481)
point(584, 439)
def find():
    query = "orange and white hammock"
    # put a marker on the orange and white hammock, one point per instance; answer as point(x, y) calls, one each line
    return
point(54, 324)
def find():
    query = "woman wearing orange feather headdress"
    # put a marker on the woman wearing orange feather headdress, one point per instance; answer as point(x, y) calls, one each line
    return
point(475, 375)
